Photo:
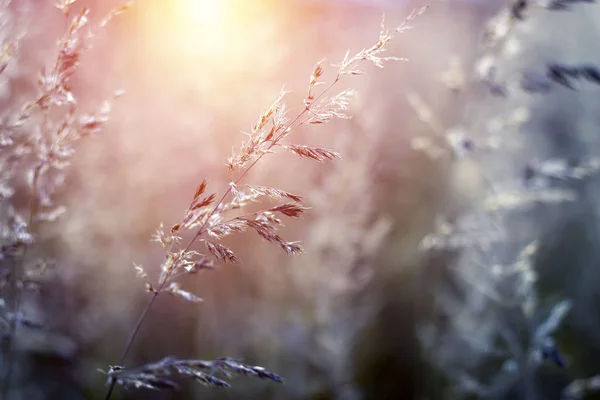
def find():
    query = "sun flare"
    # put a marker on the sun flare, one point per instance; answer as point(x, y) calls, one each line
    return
point(203, 45)
point(204, 26)
point(203, 15)
point(194, 27)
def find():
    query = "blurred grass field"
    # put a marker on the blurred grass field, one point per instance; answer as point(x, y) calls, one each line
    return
point(341, 320)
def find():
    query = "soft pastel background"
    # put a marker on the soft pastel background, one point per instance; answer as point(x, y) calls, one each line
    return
point(345, 319)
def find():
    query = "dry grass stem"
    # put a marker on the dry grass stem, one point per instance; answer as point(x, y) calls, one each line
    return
point(211, 217)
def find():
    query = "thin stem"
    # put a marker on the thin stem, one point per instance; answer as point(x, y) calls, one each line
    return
point(113, 381)
point(134, 333)
point(202, 229)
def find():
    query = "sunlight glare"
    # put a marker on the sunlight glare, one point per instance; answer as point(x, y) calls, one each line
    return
point(202, 15)
point(210, 41)
point(205, 26)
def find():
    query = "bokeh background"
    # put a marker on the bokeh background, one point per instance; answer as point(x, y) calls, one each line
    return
point(366, 312)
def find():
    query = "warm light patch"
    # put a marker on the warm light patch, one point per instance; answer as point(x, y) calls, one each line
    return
point(209, 43)
point(204, 24)
point(201, 27)
point(203, 14)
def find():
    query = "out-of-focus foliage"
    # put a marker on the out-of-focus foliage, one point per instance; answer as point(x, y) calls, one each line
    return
point(504, 326)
